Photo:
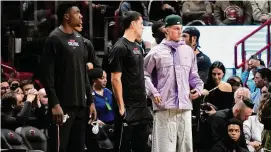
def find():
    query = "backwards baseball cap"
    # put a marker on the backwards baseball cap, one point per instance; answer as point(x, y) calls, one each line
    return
point(192, 31)
point(173, 20)
point(248, 103)
point(156, 26)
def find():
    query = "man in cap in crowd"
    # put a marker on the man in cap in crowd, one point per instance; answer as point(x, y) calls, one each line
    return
point(191, 37)
point(170, 70)
point(217, 124)
point(158, 32)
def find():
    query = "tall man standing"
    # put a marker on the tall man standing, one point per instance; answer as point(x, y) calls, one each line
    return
point(64, 75)
point(170, 70)
point(127, 77)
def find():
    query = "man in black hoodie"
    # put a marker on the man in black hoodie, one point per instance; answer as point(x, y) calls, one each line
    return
point(217, 124)
point(231, 142)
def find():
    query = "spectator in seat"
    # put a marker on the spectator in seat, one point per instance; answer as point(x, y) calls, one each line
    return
point(9, 117)
point(191, 37)
point(43, 97)
point(144, 46)
point(159, 9)
point(14, 84)
point(20, 97)
point(4, 87)
point(218, 123)
point(231, 141)
point(265, 118)
point(138, 6)
point(103, 99)
point(240, 94)
point(196, 10)
point(232, 12)
point(253, 130)
point(235, 82)
point(262, 76)
point(222, 95)
point(158, 32)
point(253, 64)
point(26, 85)
point(261, 10)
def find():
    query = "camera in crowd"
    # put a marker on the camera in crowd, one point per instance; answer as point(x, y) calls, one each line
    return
point(14, 86)
point(204, 107)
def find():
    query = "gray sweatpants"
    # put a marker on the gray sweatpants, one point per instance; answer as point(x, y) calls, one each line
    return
point(172, 131)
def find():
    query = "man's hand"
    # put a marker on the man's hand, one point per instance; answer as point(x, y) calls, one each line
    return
point(206, 15)
point(194, 94)
point(100, 123)
point(213, 111)
point(57, 114)
point(31, 95)
point(248, 66)
point(166, 6)
point(90, 66)
point(92, 112)
point(263, 18)
point(205, 92)
point(253, 63)
point(157, 100)
point(122, 112)
point(255, 144)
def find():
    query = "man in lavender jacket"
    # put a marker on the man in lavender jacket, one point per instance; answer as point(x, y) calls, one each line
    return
point(170, 70)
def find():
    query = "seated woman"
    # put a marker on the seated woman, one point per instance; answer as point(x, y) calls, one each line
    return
point(265, 118)
point(219, 93)
point(235, 82)
point(103, 99)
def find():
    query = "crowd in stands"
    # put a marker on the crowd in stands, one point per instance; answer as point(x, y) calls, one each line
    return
point(231, 115)
point(246, 12)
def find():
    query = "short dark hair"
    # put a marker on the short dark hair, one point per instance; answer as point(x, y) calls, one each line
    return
point(265, 73)
point(232, 81)
point(4, 79)
point(95, 73)
point(128, 18)
point(62, 9)
point(9, 99)
point(26, 82)
point(234, 121)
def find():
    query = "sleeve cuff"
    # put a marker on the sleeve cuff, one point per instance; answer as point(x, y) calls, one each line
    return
point(157, 94)
point(199, 92)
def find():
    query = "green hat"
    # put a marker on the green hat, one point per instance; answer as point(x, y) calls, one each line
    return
point(173, 20)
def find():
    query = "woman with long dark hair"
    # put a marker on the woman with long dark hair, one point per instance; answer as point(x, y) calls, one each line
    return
point(220, 93)
point(264, 114)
